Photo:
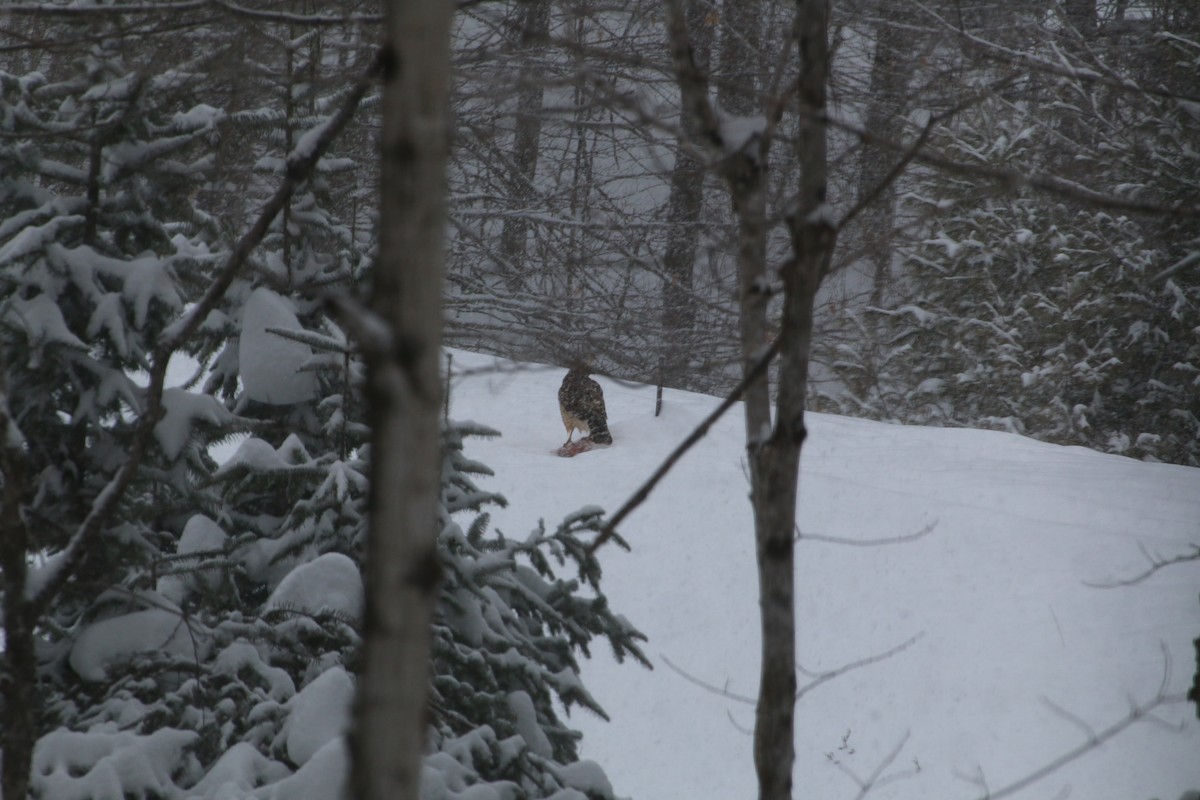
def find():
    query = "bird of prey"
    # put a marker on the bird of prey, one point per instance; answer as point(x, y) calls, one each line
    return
point(581, 401)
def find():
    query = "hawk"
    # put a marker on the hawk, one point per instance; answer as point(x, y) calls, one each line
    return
point(581, 401)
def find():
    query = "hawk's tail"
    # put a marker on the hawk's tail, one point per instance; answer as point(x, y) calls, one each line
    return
point(599, 433)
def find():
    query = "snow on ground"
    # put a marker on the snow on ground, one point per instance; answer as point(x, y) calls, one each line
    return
point(1008, 631)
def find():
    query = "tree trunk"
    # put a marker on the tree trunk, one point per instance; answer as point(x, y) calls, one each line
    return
point(19, 676)
point(740, 63)
point(684, 207)
point(535, 29)
point(404, 391)
point(891, 69)
point(777, 461)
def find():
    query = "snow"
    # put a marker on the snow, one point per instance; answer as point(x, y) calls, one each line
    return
point(327, 583)
point(320, 713)
point(110, 643)
point(521, 705)
point(996, 591)
point(107, 764)
point(737, 131)
point(183, 409)
point(200, 535)
point(270, 364)
point(43, 322)
point(243, 656)
point(240, 770)
point(321, 778)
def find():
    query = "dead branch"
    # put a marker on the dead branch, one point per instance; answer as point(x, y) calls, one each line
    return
point(825, 677)
point(1157, 563)
point(751, 375)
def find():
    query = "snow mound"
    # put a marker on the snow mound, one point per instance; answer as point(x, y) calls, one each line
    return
point(110, 643)
point(237, 773)
point(107, 764)
point(327, 583)
point(270, 364)
point(319, 714)
point(323, 777)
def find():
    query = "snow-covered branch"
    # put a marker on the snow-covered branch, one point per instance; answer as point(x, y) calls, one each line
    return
point(300, 166)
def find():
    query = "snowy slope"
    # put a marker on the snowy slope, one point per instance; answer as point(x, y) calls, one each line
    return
point(995, 592)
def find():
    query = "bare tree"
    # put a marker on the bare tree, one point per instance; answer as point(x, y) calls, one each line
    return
point(404, 392)
point(739, 146)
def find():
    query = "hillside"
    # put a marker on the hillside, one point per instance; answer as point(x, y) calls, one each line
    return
point(1007, 629)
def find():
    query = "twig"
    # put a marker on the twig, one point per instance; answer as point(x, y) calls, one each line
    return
point(643, 492)
point(1136, 714)
point(908, 537)
point(874, 781)
point(717, 690)
point(825, 677)
point(1156, 563)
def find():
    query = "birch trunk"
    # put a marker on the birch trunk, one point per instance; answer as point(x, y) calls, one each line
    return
point(404, 391)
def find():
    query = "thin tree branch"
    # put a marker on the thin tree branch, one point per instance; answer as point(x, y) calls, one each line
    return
point(908, 537)
point(825, 677)
point(717, 690)
point(874, 781)
point(758, 368)
point(301, 163)
point(1190, 260)
point(1156, 563)
point(1136, 714)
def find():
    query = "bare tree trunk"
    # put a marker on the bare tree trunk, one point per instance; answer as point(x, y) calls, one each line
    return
point(891, 69)
point(773, 449)
point(19, 677)
point(778, 459)
point(404, 391)
point(684, 207)
point(740, 63)
point(535, 29)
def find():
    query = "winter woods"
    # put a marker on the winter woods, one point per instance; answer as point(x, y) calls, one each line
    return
point(982, 217)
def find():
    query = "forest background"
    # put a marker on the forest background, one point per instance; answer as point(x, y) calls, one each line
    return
point(1014, 186)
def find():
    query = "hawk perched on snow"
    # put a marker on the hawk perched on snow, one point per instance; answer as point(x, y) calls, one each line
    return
point(581, 401)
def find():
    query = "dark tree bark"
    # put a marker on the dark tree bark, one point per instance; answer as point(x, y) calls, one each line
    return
point(778, 460)
point(773, 445)
point(404, 390)
point(18, 680)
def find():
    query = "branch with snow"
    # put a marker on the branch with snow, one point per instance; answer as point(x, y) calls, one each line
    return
point(301, 164)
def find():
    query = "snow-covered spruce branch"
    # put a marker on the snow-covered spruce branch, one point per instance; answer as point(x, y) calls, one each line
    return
point(301, 163)
point(756, 370)
point(910, 152)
